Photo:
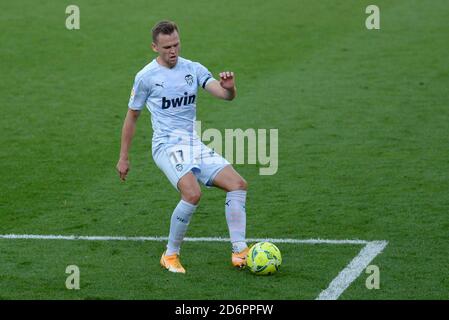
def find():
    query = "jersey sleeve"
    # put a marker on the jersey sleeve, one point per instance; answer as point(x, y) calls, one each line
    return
point(203, 75)
point(139, 94)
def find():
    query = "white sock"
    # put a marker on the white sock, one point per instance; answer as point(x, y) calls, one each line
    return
point(236, 218)
point(179, 222)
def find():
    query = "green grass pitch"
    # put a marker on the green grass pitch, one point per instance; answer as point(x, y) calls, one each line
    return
point(363, 120)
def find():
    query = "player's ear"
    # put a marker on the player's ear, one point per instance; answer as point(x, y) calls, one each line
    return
point(154, 47)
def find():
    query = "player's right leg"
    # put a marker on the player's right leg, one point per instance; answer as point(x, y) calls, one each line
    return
point(189, 188)
point(190, 196)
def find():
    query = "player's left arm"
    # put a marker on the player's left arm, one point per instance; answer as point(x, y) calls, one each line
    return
point(223, 89)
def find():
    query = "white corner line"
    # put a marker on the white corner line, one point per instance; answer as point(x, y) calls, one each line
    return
point(352, 270)
point(338, 285)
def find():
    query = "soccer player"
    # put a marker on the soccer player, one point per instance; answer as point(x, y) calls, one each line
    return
point(168, 87)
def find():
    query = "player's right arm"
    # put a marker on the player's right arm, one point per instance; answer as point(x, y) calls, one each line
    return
point(137, 101)
point(129, 127)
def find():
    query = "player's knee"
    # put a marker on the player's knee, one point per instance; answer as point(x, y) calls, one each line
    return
point(240, 184)
point(192, 196)
point(243, 185)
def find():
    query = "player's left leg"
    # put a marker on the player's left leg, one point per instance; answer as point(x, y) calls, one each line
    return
point(230, 181)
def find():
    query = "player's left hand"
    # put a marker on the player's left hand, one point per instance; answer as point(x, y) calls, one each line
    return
point(227, 80)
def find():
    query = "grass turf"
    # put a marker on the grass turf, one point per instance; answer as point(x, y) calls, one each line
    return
point(363, 126)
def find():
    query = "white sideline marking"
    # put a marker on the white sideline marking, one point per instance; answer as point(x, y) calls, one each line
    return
point(202, 239)
point(338, 285)
point(352, 270)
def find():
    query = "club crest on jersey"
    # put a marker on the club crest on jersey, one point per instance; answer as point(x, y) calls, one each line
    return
point(177, 102)
point(189, 79)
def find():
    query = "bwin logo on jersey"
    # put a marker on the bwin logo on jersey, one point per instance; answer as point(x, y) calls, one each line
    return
point(177, 102)
point(189, 79)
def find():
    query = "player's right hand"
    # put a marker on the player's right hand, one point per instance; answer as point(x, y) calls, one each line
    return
point(123, 168)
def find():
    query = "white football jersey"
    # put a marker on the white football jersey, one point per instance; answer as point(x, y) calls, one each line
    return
point(170, 95)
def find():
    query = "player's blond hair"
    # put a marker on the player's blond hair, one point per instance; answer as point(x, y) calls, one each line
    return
point(164, 27)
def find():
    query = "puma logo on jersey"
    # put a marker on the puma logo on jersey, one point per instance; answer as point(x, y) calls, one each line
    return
point(177, 102)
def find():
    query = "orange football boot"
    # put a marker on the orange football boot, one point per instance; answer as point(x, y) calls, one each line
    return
point(172, 263)
point(239, 259)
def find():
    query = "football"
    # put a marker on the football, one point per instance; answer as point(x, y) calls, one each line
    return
point(264, 258)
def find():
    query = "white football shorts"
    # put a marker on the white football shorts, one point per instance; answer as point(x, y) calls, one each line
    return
point(176, 160)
